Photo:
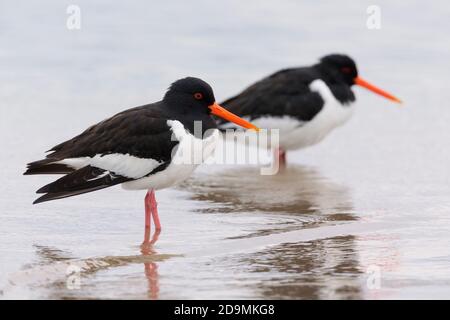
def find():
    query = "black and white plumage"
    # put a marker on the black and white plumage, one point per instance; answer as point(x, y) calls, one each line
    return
point(140, 148)
point(304, 103)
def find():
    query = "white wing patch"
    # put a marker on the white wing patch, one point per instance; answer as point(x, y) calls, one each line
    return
point(139, 168)
point(122, 164)
point(104, 174)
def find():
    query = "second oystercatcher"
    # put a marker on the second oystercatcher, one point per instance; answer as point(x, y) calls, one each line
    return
point(304, 103)
point(149, 147)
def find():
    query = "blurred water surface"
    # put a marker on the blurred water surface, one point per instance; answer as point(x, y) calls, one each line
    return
point(372, 200)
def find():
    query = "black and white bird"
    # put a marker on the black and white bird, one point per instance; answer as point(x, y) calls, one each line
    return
point(149, 147)
point(304, 103)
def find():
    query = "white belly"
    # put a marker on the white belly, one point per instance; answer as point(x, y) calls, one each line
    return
point(296, 134)
point(190, 153)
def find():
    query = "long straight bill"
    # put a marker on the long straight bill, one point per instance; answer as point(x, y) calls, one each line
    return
point(363, 83)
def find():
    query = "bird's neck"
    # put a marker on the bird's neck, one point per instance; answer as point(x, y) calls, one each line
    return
point(340, 89)
point(196, 123)
point(199, 126)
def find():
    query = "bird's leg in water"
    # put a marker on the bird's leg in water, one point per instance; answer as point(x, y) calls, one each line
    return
point(148, 219)
point(151, 269)
point(151, 210)
point(154, 208)
point(280, 156)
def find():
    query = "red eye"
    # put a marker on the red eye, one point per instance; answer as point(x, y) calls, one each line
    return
point(346, 70)
point(198, 96)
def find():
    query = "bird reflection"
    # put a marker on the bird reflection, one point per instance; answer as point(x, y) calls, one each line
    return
point(300, 194)
point(295, 190)
point(320, 269)
point(151, 268)
point(327, 267)
point(148, 257)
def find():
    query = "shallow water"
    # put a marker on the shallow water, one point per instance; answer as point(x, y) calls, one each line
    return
point(365, 214)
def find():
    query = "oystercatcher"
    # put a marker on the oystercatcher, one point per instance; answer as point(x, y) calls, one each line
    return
point(141, 148)
point(304, 103)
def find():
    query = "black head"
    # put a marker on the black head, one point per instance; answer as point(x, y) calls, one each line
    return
point(191, 94)
point(194, 99)
point(340, 67)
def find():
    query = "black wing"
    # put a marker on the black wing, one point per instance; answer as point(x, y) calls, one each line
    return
point(141, 132)
point(80, 181)
point(284, 93)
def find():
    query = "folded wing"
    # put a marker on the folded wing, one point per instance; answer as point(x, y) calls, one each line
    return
point(128, 146)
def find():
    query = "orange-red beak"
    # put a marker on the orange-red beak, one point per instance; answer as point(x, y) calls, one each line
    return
point(363, 83)
point(227, 115)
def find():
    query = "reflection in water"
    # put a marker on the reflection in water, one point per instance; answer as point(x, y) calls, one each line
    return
point(151, 268)
point(322, 268)
point(319, 269)
point(301, 194)
point(49, 254)
point(151, 273)
point(295, 190)
point(55, 262)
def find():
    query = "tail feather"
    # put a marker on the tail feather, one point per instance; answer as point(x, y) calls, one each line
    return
point(81, 181)
point(47, 166)
point(65, 194)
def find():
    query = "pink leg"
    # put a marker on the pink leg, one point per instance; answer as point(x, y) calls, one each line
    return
point(154, 209)
point(151, 210)
point(280, 156)
point(148, 218)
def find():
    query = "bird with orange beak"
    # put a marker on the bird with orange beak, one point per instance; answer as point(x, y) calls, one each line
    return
point(150, 147)
point(305, 104)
